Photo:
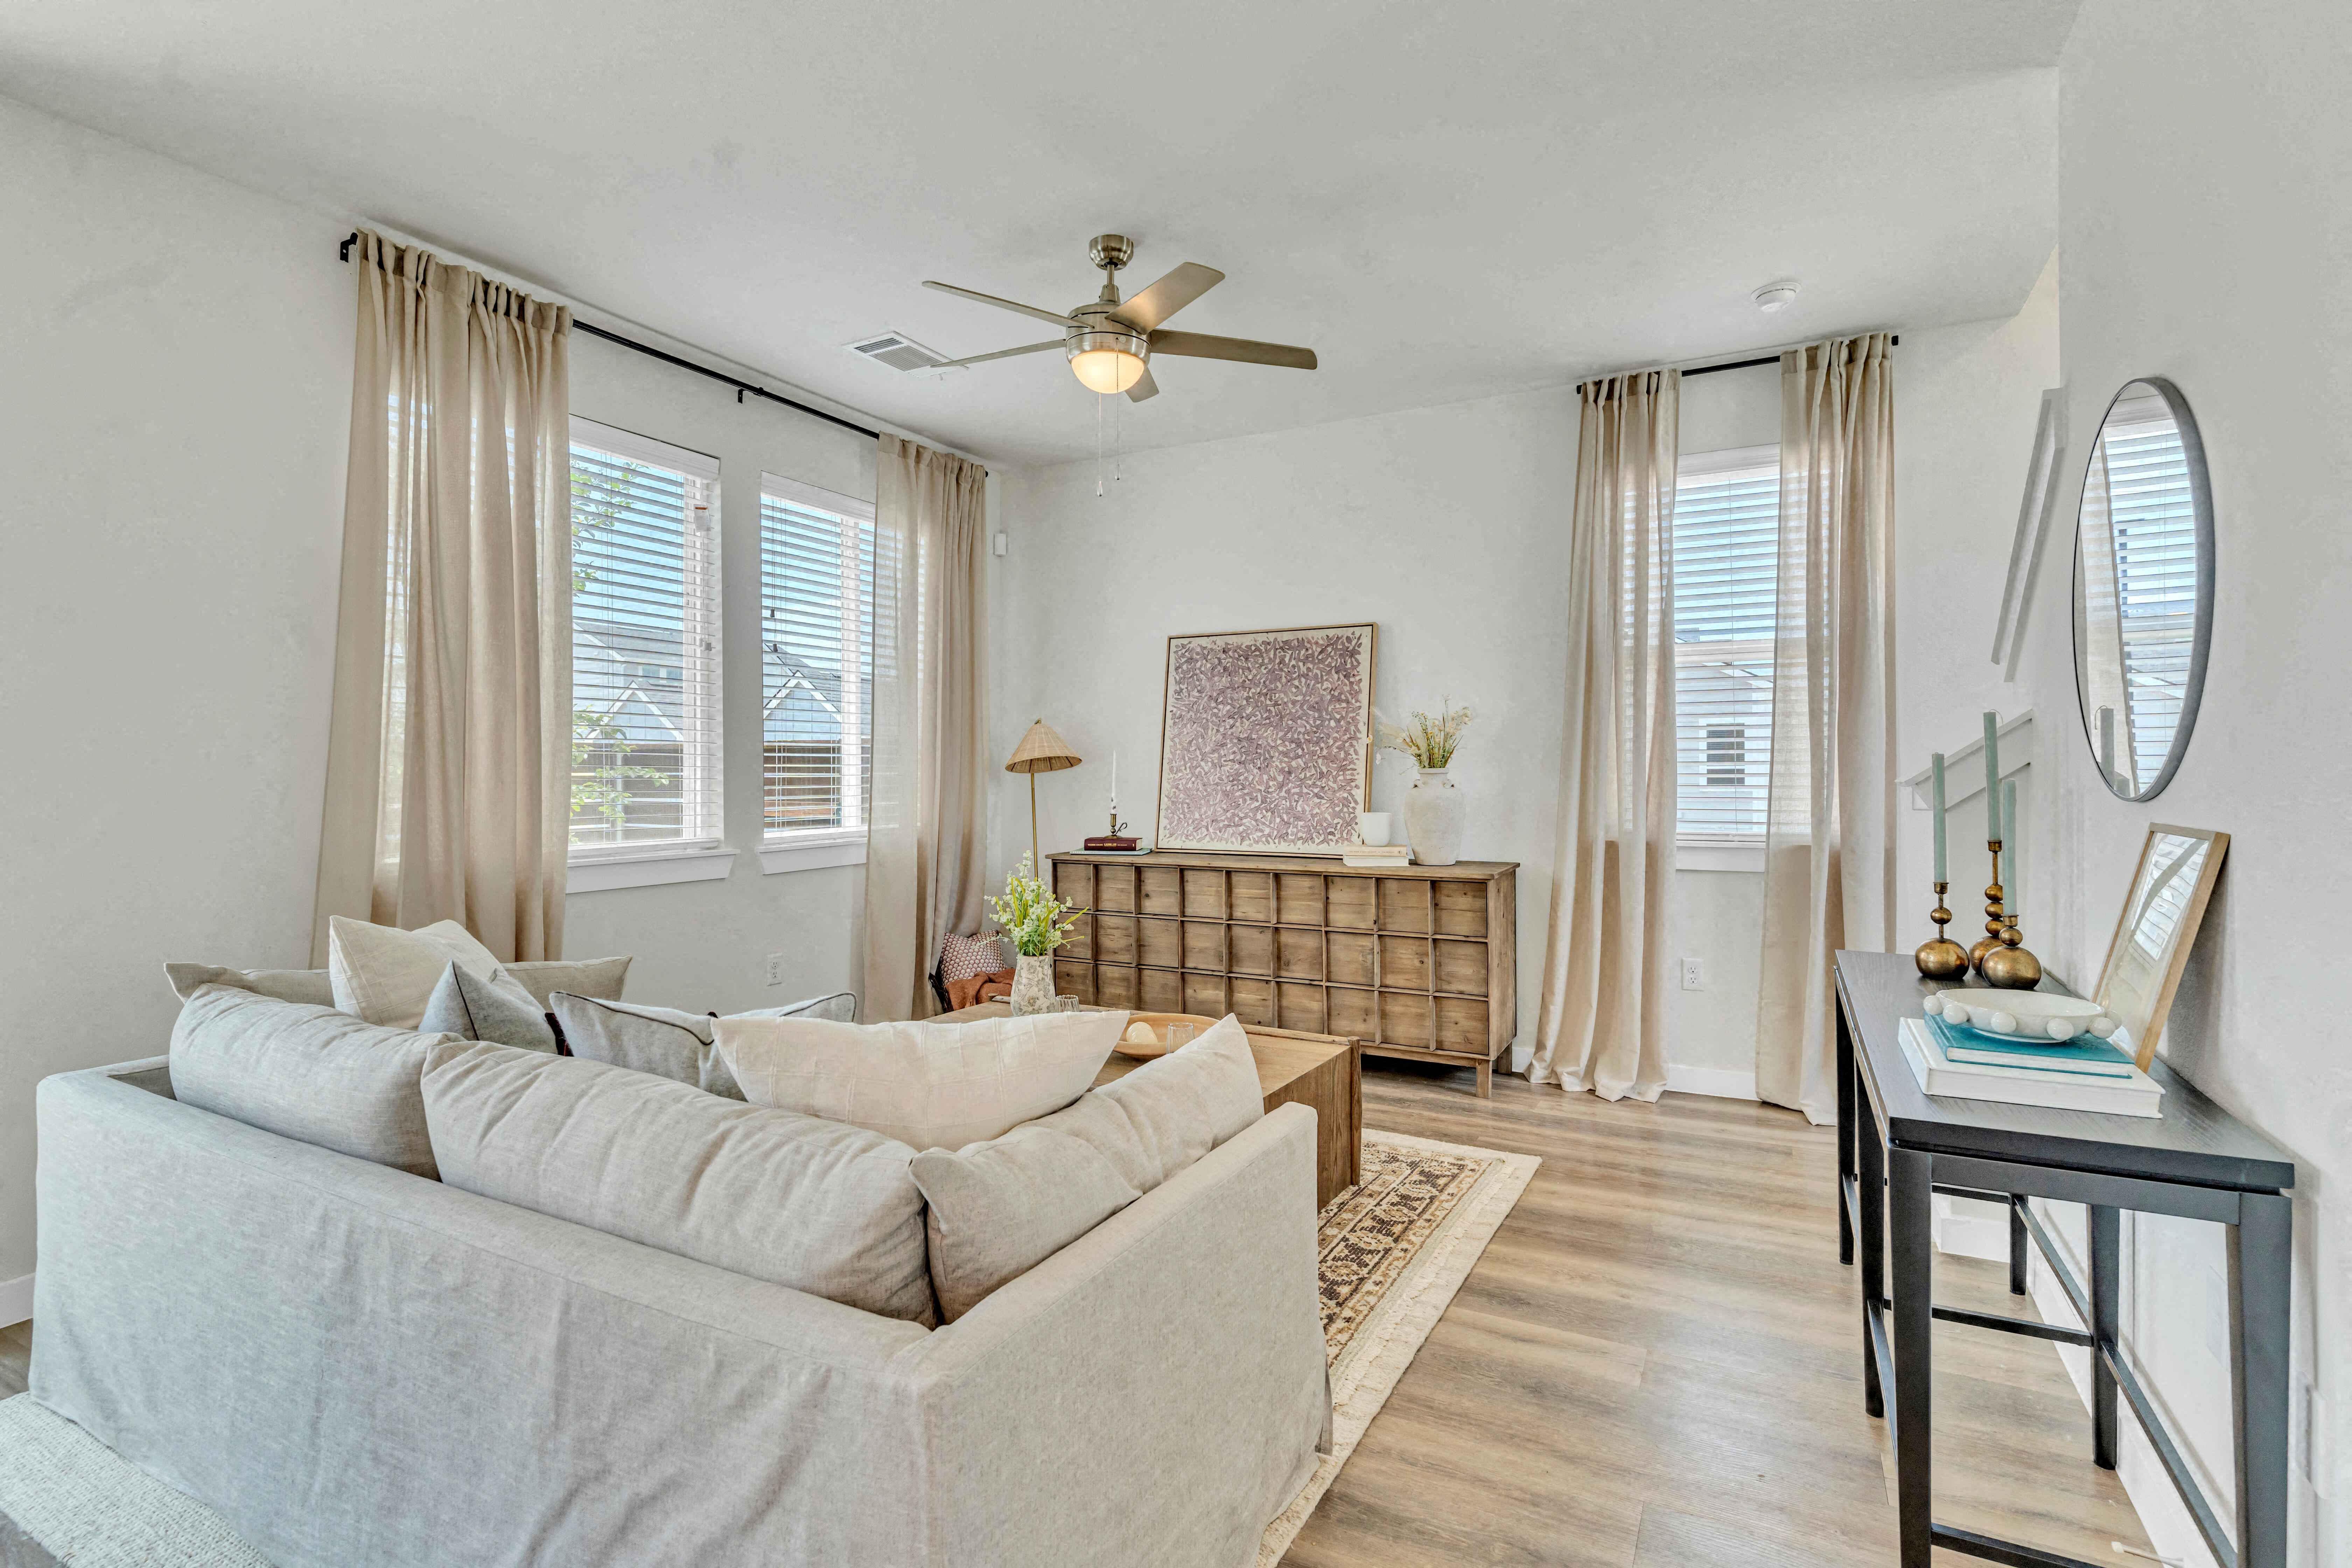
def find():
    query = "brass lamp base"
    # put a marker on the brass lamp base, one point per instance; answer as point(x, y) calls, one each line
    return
point(2011, 968)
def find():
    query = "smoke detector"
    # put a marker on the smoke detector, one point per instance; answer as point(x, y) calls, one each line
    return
point(898, 351)
point(1777, 296)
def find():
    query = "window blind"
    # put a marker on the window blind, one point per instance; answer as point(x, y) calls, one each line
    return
point(644, 643)
point(816, 656)
point(2153, 517)
point(1727, 540)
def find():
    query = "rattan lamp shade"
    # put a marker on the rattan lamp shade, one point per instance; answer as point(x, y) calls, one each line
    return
point(1040, 752)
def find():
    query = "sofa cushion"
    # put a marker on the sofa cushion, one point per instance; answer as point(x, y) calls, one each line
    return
point(996, 1210)
point(666, 1041)
point(310, 1073)
point(816, 1205)
point(497, 1009)
point(601, 978)
point(310, 985)
point(929, 1085)
point(385, 975)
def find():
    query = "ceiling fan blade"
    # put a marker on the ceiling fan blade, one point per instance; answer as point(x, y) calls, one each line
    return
point(1055, 317)
point(1162, 300)
point(1145, 388)
point(1001, 353)
point(1201, 345)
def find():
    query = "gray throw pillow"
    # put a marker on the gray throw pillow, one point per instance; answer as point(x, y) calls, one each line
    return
point(996, 1210)
point(497, 1009)
point(308, 1073)
point(306, 986)
point(666, 1041)
point(819, 1206)
point(601, 978)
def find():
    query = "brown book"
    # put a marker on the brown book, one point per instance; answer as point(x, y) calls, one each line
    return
point(1107, 843)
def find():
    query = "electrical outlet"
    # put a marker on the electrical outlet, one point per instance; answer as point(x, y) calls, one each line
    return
point(775, 969)
point(1693, 974)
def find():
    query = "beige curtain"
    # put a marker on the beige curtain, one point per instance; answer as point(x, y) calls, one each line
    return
point(924, 867)
point(1829, 856)
point(1602, 1024)
point(449, 756)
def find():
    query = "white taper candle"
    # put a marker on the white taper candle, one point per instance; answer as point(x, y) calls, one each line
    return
point(1992, 775)
point(1938, 767)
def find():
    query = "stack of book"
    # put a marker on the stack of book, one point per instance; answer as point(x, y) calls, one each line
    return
point(2084, 1074)
point(1377, 854)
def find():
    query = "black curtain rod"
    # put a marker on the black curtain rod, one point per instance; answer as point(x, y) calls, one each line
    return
point(1751, 363)
point(652, 353)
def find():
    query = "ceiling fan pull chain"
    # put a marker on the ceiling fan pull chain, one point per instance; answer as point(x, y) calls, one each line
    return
point(1098, 450)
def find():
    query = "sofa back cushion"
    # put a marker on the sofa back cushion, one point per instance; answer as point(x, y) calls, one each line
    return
point(928, 1085)
point(305, 1072)
point(599, 977)
point(822, 1207)
point(996, 1210)
point(662, 1041)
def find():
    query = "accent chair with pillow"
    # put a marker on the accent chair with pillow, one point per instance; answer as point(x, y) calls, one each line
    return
point(635, 1322)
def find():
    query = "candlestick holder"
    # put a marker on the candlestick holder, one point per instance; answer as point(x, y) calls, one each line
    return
point(1996, 915)
point(1941, 958)
point(2009, 966)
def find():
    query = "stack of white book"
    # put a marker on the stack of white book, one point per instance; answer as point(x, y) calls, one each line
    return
point(2084, 1074)
point(1377, 854)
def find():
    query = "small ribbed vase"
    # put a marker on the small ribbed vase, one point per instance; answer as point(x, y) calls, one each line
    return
point(1032, 984)
point(1432, 818)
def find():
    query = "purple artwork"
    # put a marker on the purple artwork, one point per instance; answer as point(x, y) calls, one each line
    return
point(1263, 750)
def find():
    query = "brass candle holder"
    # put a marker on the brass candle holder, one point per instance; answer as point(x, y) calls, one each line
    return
point(2000, 959)
point(1941, 958)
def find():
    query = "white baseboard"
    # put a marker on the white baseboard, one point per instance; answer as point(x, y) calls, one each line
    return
point(15, 1300)
point(1723, 1083)
point(1970, 1227)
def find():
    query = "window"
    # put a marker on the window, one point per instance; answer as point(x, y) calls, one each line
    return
point(1726, 554)
point(645, 644)
point(816, 658)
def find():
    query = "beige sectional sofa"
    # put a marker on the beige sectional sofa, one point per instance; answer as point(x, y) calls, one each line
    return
point(356, 1365)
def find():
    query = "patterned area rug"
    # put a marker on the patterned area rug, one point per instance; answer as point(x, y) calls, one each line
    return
point(1395, 1248)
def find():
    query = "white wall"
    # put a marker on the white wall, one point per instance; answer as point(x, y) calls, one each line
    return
point(1449, 527)
point(173, 423)
point(2204, 161)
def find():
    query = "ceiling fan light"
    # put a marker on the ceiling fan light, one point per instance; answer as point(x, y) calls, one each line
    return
point(1106, 370)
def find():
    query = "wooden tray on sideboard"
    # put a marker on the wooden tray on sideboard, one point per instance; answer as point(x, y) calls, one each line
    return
point(1417, 961)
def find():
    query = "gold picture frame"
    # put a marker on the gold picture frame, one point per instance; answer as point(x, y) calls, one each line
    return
point(1246, 768)
point(2171, 884)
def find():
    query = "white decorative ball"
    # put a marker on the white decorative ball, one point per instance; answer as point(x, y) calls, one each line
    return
point(1933, 1006)
point(2102, 1026)
point(2062, 1028)
point(2002, 1022)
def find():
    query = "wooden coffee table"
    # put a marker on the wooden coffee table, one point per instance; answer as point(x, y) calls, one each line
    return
point(1323, 1072)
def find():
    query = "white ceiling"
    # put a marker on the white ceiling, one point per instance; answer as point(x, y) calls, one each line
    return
point(1443, 202)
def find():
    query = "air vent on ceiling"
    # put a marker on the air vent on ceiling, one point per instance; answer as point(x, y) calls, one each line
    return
point(898, 351)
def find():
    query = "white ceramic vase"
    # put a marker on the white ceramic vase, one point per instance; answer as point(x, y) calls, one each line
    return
point(1032, 984)
point(1432, 818)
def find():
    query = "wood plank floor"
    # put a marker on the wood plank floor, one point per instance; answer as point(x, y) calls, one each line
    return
point(1657, 1362)
point(15, 1355)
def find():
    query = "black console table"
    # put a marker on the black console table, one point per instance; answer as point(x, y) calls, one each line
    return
point(1898, 1147)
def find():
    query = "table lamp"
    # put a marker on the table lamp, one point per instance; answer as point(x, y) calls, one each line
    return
point(1040, 752)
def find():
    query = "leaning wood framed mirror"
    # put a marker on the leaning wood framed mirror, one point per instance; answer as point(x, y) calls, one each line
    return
point(2170, 890)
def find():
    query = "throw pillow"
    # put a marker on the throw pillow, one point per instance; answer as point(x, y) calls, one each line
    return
point(996, 1210)
point(385, 975)
point(309, 985)
point(601, 978)
point(497, 1009)
point(665, 1041)
point(929, 1085)
point(965, 957)
point(309, 1073)
point(814, 1205)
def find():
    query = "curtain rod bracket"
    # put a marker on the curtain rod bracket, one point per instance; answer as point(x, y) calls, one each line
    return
point(344, 250)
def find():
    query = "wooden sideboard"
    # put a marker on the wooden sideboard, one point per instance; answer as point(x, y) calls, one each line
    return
point(1419, 962)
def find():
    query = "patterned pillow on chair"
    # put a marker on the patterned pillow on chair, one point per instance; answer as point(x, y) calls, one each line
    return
point(962, 957)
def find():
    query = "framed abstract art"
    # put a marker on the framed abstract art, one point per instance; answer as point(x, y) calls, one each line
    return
point(1263, 740)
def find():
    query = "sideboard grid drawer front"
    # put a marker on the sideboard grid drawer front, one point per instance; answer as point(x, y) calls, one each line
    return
point(1415, 960)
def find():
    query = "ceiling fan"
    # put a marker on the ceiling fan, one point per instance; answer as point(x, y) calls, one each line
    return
point(1110, 342)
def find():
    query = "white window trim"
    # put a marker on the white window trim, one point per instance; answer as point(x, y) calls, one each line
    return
point(604, 868)
point(817, 496)
point(812, 849)
point(1716, 852)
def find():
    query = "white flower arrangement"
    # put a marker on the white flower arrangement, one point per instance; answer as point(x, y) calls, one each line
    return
point(1036, 921)
point(1430, 742)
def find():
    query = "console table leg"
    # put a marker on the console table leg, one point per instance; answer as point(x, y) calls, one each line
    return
point(1910, 1204)
point(1846, 1135)
point(1870, 1202)
point(2106, 1326)
point(2261, 1255)
point(2017, 1247)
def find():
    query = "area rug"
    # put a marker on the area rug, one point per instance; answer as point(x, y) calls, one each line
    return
point(89, 1507)
point(1394, 1250)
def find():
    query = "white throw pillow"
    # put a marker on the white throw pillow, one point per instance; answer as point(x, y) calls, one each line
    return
point(385, 975)
point(929, 1086)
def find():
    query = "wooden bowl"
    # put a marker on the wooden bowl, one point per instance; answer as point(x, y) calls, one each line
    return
point(1159, 1023)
